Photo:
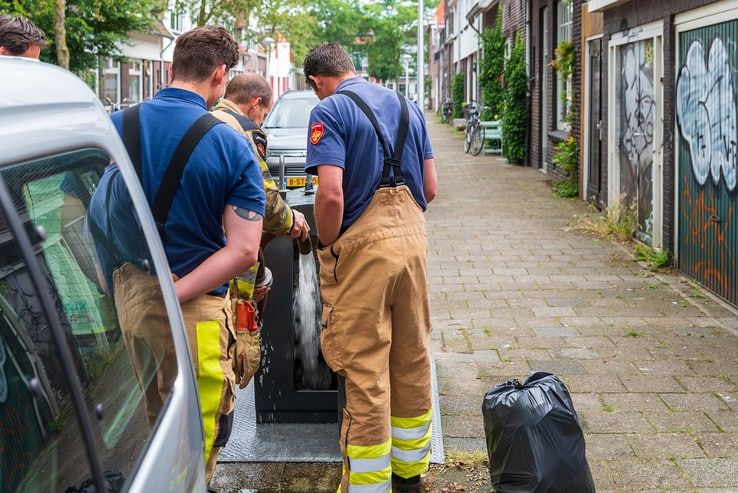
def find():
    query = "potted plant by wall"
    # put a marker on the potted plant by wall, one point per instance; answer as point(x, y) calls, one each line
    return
point(566, 153)
point(564, 63)
point(515, 118)
point(566, 158)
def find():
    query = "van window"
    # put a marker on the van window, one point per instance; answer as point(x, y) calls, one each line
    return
point(40, 445)
point(98, 265)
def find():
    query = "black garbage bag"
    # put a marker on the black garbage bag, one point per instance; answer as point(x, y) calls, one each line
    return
point(534, 441)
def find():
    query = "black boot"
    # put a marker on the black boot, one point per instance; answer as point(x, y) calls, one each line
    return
point(409, 485)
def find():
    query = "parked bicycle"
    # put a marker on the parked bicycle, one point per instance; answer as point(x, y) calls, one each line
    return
point(474, 133)
point(447, 108)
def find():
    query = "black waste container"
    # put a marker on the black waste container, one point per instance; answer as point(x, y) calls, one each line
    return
point(293, 385)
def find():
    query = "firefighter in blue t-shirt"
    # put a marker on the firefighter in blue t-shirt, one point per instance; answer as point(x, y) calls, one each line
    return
point(205, 190)
point(370, 150)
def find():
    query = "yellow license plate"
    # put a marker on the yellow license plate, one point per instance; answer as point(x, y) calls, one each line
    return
point(300, 181)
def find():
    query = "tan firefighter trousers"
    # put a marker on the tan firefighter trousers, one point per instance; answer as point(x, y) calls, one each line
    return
point(147, 333)
point(375, 333)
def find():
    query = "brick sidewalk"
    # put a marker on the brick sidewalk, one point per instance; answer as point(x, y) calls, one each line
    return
point(653, 370)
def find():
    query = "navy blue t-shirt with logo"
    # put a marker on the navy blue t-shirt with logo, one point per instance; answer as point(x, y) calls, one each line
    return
point(341, 135)
point(222, 170)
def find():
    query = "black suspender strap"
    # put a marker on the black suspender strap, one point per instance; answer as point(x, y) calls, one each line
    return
point(173, 174)
point(246, 123)
point(402, 129)
point(132, 137)
point(391, 171)
point(175, 169)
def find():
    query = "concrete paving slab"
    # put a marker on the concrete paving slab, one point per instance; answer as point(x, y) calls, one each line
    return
point(665, 446)
point(711, 472)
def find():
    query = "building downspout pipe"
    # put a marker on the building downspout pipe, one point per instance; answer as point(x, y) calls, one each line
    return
point(161, 62)
point(529, 98)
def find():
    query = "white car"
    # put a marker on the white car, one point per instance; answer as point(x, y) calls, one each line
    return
point(73, 408)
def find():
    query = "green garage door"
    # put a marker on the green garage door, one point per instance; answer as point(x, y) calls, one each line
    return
point(706, 106)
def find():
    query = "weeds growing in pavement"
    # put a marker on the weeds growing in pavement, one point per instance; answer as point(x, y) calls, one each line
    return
point(618, 222)
point(565, 189)
point(459, 458)
point(656, 259)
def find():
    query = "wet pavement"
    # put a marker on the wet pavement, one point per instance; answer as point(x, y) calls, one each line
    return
point(651, 360)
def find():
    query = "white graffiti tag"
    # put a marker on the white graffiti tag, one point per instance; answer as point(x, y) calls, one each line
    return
point(706, 113)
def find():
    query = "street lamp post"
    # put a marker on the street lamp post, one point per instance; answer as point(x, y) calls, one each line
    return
point(421, 58)
point(406, 61)
point(268, 43)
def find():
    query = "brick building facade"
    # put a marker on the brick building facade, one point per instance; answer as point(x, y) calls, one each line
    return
point(551, 21)
point(628, 18)
point(671, 121)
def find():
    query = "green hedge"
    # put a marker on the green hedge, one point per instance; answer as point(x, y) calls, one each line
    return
point(457, 95)
point(492, 72)
point(515, 118)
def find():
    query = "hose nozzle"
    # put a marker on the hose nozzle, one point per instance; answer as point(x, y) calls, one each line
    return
point(305, 246)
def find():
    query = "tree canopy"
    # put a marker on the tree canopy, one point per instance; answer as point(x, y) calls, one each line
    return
point(94, 28)
point(382, 30)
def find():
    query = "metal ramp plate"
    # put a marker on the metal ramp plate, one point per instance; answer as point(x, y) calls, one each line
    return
point(300, 442)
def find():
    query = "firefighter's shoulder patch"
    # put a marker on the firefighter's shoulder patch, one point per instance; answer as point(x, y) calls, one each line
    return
point(317, 130)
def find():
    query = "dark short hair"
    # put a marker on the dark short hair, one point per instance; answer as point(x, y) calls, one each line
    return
point(200, 51)
point(329, 60)
point(17, 34)
point(245, 88)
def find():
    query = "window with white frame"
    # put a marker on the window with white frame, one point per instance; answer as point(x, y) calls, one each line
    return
point(134, 83)
point(175, 19)
point(111, 82)
point(564, 21)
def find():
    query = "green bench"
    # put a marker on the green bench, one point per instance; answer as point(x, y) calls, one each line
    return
point(492, 137)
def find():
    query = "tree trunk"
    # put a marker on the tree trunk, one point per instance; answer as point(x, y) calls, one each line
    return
point(60, 34)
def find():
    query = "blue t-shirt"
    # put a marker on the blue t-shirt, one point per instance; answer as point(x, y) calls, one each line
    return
point(222, 170)
point(341, 135)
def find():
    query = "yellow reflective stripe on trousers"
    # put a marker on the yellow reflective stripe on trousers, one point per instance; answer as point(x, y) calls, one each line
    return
point(383, 487)
point(211, 378)
point(370, 467)
point(403, 466)
point(412, 422)
point(411, 444)
point(416, 433)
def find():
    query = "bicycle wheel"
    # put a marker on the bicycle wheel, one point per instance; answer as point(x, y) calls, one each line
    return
point(468, 133)
point(477, 140)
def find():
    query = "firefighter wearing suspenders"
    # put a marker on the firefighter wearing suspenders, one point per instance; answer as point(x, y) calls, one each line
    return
point(206, 194)
point(371, 152)
point(248, 99)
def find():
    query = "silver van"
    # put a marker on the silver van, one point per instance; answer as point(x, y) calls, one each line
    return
point(73, 385)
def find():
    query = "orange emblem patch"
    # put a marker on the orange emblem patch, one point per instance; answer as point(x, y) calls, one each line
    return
point(316, 133)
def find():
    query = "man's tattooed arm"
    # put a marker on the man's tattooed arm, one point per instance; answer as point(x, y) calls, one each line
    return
point(247, 214)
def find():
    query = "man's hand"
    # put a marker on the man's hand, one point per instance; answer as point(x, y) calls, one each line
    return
point(259, 293)
point(329, 203)
point(430, 180)
point(301, 228)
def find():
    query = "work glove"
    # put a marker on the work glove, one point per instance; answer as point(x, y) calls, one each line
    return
point(248, 343)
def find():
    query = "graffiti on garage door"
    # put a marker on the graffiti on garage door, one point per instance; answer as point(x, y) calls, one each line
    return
point(707, 117)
